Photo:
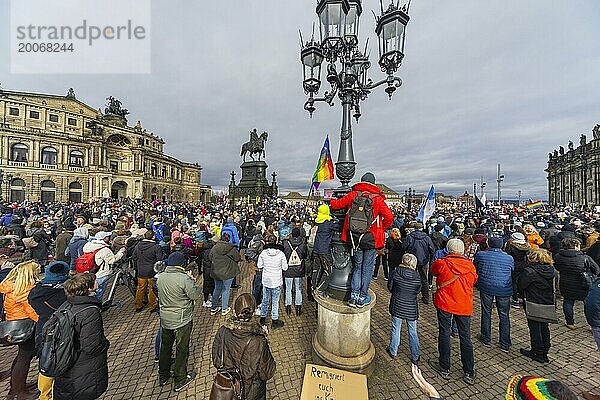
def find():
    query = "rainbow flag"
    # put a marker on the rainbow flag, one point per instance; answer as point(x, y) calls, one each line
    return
point(535, 204)
point(324, 171)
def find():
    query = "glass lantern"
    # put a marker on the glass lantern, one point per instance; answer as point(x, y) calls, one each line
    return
point(332, 17)
point(352, 21)
point(312, 58)
point(390, 29)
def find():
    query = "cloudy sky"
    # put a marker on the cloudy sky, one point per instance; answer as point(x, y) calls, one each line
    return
point(484, 83)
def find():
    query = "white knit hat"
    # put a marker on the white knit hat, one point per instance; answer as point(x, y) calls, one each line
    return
point(455, 246)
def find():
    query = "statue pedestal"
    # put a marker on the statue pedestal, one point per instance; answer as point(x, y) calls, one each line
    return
point(343, 337)
point(253, 182)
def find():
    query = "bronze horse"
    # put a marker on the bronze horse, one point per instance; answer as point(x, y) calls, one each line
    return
point(256, 145)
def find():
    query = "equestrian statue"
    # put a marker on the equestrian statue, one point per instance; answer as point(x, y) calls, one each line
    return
point(256, 145)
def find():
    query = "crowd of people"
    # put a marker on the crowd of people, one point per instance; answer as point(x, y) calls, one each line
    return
point(62, 256)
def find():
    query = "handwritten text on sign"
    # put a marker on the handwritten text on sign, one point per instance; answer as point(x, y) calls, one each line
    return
point(323, 383)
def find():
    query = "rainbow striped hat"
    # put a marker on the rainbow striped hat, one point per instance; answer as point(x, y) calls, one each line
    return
point(522, 387)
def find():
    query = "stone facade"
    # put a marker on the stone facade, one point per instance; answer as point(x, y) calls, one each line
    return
point(56, 148)
point(574, 175)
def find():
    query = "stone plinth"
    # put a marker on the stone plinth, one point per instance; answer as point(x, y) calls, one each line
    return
point(343, 338)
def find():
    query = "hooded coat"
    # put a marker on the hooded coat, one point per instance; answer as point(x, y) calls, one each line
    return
point(273, 262)
point(145, 255)
point(88, 377)
point(420, 245)
point(567, 231)
point(243, 345)
point(45, 298)
point(16, 306)
point(384, 217)
point(233, 233)
point(298, 244)
point(224, 257)
point(518, 251)
point(405, 285)
point(571, 264)
point(536, 284)
point(456, 297)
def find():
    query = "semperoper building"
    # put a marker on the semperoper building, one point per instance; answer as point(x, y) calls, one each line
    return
point(56, 149)
point(574, 175)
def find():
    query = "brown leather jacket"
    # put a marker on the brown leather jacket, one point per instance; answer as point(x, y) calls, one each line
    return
point(244, 345)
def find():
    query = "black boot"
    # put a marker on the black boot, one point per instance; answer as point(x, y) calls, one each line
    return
point(298, 310)
point(534, 355)
point(263, 321)
point(309, 289)
point(276, 324)
point(288, 310)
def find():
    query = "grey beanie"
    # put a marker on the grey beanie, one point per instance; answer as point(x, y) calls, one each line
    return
point(455, 246)
point(368, 177)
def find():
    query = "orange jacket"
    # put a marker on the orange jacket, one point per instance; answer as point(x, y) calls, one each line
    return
point(17, 307)
point(457, 297)
point(535, 240)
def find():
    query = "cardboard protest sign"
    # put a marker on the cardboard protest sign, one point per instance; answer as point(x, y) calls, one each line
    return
point(324, 383)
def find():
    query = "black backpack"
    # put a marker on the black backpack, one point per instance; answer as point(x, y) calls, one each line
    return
point(57, 351)
point(360, 214)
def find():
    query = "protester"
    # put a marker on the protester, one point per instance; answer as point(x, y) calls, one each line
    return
point(145, 255)
point(45, 298)
point(104, 258)
point(522, 387)
point(74, 248)
point(273, 262)
point(296, 252)
point(365, 244)
point(455, 277)
point(494, 269)
point(255, 247)
point(536, 284)
point(405, 285)
point(517, 247)
point(62, 241)
point(208, 283)
point(418, 243)
point(572, 263)
point(241, 344)
point(87, 378)
point(40, 252)
point(177, 294)
point(224, 258)
point(393, 246)
point(321, 255)
point(533, 237)
point(16, 288)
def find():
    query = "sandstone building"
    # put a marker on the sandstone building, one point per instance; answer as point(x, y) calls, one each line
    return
point(56, 148)
point(574, 175)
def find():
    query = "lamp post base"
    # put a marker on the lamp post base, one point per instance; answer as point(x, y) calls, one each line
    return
point(343, 337)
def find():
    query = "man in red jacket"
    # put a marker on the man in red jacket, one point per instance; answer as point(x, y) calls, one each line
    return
point(365, 246)
point(455, 277)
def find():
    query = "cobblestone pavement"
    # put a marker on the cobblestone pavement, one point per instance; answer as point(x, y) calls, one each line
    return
point(133, 373)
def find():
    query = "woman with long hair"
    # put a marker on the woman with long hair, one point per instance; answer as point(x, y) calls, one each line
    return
point(16, 287)
point(536, 285)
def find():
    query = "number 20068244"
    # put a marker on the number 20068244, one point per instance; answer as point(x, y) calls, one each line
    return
point(44, 47)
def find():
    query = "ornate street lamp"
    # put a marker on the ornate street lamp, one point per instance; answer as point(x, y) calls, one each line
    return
point(347, 68)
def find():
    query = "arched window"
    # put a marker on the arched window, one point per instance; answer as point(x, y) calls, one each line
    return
point(76, 158)
point(17, 190)
point(164, 172)
point(153, 170)
point(49, 155)
point(75, 192)
point(48, 191)
point(19, 152)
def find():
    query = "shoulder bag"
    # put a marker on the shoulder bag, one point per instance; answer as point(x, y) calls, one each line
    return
point(16, 331)
point(542, 312)
point(228, 383)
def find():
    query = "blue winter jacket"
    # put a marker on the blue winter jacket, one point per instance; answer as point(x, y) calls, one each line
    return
point(323, 238)
point(494, 268)
point(591, 304)
point(232, 231)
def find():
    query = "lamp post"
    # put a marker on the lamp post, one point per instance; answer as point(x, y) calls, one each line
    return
point(347, 75)
point(499, 181)
point(347, 66)
point(1, 185)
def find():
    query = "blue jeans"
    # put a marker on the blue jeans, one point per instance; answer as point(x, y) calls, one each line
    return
point(288, 291)
point(503, 307)
point(270, 294)
point(568, 305)
point(464, 332)
point(257, 288)
point(364, 261)
point(413, 338)
point(221, 289)
point(157, 342)
point(102, 283)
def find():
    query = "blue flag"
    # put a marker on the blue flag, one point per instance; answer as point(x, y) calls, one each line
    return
point(428, 207)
